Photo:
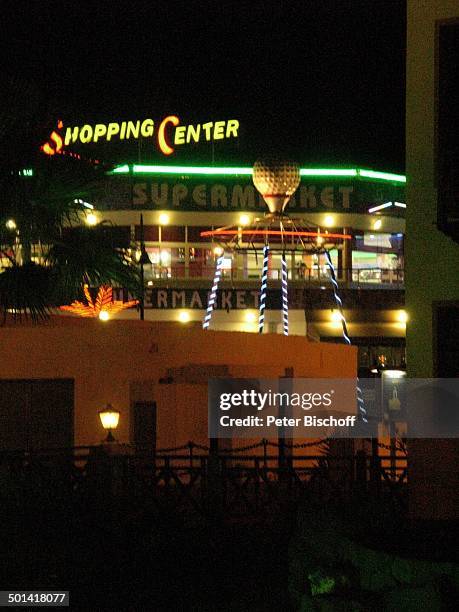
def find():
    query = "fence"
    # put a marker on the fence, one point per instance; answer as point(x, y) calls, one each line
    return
point(193, 478)
point(359, 276)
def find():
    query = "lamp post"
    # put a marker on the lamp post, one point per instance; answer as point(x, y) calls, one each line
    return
point(109, 417)
point(144, 259)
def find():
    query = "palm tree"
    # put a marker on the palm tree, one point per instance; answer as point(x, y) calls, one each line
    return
point(47, 254)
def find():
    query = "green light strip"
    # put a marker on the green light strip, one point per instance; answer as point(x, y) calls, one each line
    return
point(384, 176)
point(328, 172)
point(120, 170)
point(212, 171)
point(189, 170)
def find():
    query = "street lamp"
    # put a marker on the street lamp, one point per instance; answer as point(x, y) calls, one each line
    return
point(143, 260)
point(109, 417)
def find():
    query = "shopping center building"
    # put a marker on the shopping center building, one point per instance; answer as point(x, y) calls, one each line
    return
point(180, 203)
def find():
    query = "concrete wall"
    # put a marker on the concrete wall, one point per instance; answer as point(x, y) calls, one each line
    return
point(432, 259)
point(122, 361)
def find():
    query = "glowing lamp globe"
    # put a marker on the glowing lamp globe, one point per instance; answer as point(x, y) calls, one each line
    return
point(277, 181)
point(109, 417)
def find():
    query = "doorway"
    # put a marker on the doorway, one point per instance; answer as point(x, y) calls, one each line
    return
point(36, 414)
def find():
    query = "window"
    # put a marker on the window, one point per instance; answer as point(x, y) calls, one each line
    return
point(447, 154)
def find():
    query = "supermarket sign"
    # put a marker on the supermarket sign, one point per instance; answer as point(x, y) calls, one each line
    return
point(224, 194)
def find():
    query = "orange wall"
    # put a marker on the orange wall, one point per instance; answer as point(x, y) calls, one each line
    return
point(121, 361)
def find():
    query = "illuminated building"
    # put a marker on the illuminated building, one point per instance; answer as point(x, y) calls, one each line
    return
point(179, 203)
point(52, 398)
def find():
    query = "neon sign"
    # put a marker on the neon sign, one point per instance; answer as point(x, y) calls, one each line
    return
point(170, 133)
point(54, 144)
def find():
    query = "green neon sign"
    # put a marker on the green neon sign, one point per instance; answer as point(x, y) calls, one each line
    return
point(328, 172)
point(238, 171)
point(207, 170)
point(383, 176)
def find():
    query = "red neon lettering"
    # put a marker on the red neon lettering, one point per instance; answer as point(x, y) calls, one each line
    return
point(47, 148)
point(162, 142)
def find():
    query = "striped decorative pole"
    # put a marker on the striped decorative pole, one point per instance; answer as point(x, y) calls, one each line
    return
point(263, 290)
point(284, 295)
point(338, 300)
point(339, 303)
point(213, 292)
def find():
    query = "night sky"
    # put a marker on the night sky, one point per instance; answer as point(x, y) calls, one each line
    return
point(319, 81)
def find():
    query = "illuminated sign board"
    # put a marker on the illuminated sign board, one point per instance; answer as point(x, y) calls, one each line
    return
point(169, 134)
point(232, 299)
point(212, 193)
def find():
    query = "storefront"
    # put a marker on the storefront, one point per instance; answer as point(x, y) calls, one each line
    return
point(179, 203)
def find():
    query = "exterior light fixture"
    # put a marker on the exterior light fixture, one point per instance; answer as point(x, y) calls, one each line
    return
point(329, 221)
point(336, 316)
point(250, 317)
point(218, 250)
point(165, 258)
point(231, 171)
point(394, 373)
point(184, 316)
point(11, 224)
point(387, 176)
point(244, 220)
point(109, 417)
point(91, 219)
point(164, 219)
point(380, 207)
point(83, 203)
point(377, 224)
point(319, 240)
point(402, 316)
point(104, 315)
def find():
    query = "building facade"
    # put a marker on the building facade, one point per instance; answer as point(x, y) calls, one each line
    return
point(178, 203)
point(155, 374)
point(432, 252)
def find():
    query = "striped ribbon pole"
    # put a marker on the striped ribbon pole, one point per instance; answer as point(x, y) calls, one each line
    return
point(213, 293)
point(284, 295)
point(339, 303)
point(338, 300)
point(263, 290)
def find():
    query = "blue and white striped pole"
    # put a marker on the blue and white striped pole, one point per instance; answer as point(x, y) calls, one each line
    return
point(263, 290)
point(339, 303)
point(284, 295)
point(338, 300)
point(213, 292)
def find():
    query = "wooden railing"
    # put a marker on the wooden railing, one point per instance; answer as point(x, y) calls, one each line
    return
point(193, 479)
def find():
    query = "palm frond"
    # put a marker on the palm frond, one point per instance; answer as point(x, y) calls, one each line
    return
point(27, 291)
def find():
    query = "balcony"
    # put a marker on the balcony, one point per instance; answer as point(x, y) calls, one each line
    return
point(197, 273)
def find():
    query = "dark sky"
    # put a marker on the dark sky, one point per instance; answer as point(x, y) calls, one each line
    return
point(321, 81)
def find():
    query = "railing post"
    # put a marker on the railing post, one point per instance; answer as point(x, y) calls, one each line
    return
point(190, 447)
point(361, 468)
point(204, 480)
point(283, 456)
point(375, 473)
point(216, 472)
point(257, 483)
